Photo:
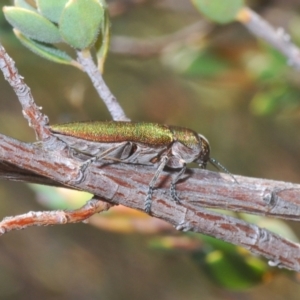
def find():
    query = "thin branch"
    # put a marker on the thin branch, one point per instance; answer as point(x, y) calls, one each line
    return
point(278, 38)
point(128, 184)
point(57, 217)
point(31, 111)
point(149, 47)
point(279, 251)
point(113, 106)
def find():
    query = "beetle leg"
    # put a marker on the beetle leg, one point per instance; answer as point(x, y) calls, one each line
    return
point(102, 155)
point(173, 184)
point(148, 200)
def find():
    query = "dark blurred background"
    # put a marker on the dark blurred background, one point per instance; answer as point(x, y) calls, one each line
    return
point(218, 80)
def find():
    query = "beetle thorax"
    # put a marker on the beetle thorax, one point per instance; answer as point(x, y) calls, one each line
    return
point(187, 146)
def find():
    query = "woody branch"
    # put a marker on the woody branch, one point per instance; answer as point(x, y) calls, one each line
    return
point(122, 184)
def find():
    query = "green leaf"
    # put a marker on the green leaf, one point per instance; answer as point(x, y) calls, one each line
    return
point(241, 272)
point(32, 25)
point(102, 43)
point(220, 11)
point(81, 22)
point(207, 64)
point(276, 98)
point(229, 266)
point(52, 10)
point(45, 50)
point(24, 4)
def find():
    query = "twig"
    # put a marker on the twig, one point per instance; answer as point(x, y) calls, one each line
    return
point(278, 38)
point(57, 217)
point(116, 111)
point(31, 112)
point(154, 46)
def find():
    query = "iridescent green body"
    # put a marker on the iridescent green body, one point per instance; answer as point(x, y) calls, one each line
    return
point(151, 134)
point(137, 143)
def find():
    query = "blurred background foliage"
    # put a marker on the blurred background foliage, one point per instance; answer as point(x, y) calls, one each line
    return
point(218, 80)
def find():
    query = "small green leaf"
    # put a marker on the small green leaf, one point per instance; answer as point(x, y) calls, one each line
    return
point(32, 25)
point(102, 43)
point(45, 50)
point(24, 4)
point(52, 10)
point(207, 64)
point(219, 11)
point(276, 98)
point(229, 266)
point(81, 22)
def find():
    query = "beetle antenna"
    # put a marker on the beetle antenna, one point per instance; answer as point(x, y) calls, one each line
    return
point(218, 166)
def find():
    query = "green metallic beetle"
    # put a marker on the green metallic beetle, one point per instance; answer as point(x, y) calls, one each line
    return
point(139, 143)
